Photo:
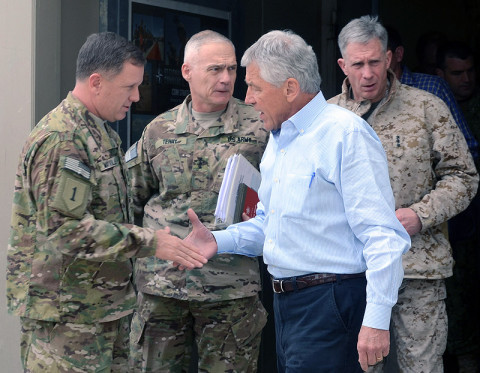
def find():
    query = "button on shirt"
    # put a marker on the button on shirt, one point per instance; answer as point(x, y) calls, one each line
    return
point(326, 206)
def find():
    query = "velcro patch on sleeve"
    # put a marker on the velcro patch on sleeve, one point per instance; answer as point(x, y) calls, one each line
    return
point(72, 195)
point(131, 153)
point(78, 167)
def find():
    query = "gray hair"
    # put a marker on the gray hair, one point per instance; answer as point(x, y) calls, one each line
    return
point(106, 52)
point(362, 30)
point(201, 38)
point(281, 55)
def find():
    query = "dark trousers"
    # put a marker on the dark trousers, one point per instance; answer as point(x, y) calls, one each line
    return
point(317, 327)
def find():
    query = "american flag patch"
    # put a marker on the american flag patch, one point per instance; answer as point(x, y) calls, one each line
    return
point(78, 167)
point(131, 153)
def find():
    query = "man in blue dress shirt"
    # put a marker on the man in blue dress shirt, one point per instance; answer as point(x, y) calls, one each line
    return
point(325, 223)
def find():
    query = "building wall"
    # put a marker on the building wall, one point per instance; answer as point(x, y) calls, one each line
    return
point(16, 114)
point(38, 49)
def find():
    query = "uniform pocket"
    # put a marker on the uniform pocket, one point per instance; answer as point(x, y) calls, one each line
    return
point(249, 326)
point(174, 174)
point(137, 329)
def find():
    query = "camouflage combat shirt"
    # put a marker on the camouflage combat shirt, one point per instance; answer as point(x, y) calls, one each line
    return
point(178, 164)
point(431, 170)
point(69, 249)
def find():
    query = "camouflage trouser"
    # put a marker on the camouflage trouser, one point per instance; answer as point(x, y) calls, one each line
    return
point(419, 321)
point(67, 347)
point(227, 334)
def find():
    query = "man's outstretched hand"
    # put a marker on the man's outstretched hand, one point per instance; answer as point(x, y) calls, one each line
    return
point(201, 237)
point(183, 254)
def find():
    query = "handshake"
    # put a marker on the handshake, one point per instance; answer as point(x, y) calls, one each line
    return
point(192, 252)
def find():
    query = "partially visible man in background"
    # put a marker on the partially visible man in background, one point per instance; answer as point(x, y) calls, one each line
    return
point(429, 83)
point(455, 64)
point(426, 51)
point(72, 237)
point(179, 163)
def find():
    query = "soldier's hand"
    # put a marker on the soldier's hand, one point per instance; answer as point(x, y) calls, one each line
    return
point(200, 236)
point(410, 220)
point(181, 253)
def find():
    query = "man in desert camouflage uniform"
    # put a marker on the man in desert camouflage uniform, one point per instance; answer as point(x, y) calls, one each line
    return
point(71, 242)
point(179, 163)
point(433, 178)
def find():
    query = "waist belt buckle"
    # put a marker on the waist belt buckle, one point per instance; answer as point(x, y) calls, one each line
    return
point(280, 283)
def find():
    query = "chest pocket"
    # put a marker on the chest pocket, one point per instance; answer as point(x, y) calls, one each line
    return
point(111, 195)
point(173, 171)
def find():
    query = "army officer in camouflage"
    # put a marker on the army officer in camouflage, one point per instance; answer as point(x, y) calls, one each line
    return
point(433, 178)
point(179, 163)
point(71, 243)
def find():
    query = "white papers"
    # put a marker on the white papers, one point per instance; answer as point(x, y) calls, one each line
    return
point(238, 170)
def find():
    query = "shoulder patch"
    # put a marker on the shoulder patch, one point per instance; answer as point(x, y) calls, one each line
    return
point(72, 193)
point(78, 167)
point(131, 153)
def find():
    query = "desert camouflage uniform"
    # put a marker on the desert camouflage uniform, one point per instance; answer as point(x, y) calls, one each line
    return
point(431, 172)
point(69, 267)
point(179, 164)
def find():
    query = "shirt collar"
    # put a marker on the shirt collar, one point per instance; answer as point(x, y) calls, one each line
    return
point(302, 119)
point(228, 120)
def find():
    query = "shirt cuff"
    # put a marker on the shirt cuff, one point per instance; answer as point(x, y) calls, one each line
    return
point(377, 316)
point(225, 242)
point(149, 243)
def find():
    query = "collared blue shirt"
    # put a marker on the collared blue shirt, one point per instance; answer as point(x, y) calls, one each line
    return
point(440, 88)
point(326, 206)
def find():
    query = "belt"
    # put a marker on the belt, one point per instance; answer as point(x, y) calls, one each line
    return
point(301, 282)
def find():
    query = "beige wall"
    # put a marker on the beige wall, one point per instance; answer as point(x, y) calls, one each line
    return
point(16, 113)
point(38, 49)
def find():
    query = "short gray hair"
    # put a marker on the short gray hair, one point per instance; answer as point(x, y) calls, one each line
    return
point(362, 30)
point(281, 55)
point(106, 53)
point(201, 38)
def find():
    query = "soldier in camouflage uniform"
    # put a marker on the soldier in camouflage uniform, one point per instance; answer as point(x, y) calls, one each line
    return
point(71, 242)
point(433, 178)
point(179, 163)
